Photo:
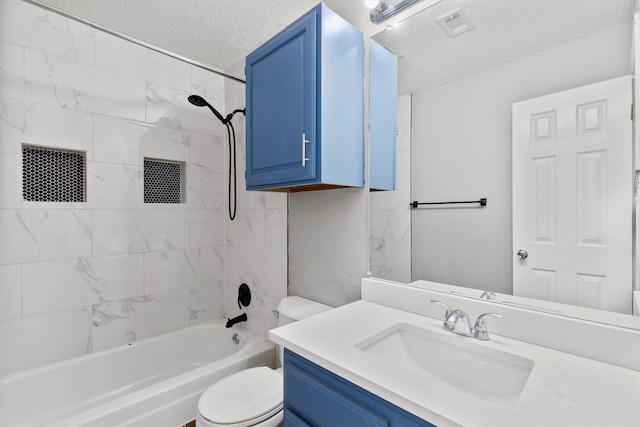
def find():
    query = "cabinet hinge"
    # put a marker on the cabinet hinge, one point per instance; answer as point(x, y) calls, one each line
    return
point(633, 112)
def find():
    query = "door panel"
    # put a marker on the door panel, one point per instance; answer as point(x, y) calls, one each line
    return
point(572, 196)
point(543, 172)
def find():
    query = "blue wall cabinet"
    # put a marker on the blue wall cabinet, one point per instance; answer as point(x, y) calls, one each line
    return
point(383, 103)
point(314, 396)
point(305, 112)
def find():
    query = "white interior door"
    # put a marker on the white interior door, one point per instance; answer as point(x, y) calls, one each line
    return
point(572, 196)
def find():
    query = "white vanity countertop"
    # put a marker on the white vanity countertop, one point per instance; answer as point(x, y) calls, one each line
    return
point(562, 390)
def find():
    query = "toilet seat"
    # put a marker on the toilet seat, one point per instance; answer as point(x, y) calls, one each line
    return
point(243, 399)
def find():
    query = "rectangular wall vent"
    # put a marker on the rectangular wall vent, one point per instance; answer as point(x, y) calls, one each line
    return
point(163, 181)
point(53, 175)
point(455, 22)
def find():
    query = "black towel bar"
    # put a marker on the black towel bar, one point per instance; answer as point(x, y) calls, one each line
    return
point(415, 204)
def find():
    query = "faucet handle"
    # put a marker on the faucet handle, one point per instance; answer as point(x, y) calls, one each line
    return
point(488, 295)
point(446, 315)
point(480, 329)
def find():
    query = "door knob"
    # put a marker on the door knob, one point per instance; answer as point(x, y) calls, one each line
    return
point(522, 254)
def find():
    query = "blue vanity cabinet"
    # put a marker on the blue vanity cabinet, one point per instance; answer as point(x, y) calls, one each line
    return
point(314, 396)
point(305, 106)
point(383, 104)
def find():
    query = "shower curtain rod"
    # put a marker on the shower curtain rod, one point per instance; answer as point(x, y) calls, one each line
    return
point(132, 40)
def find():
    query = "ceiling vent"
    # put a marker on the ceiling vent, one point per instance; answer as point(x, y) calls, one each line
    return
point(455, 22)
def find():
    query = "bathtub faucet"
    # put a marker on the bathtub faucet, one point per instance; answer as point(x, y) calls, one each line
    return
point(237, 319)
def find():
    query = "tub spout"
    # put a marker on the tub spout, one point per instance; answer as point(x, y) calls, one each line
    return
point(238, 319)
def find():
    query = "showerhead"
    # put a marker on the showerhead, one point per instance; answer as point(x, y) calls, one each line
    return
point(199, 101)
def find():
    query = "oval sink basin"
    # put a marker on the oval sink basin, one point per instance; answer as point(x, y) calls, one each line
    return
point(467, 365)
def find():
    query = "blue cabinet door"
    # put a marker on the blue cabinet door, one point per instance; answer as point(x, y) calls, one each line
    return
point(281, 106)
point(321, 404)
point(305, 106)
point(316, 397)
point(383, 99)
point(292, 420)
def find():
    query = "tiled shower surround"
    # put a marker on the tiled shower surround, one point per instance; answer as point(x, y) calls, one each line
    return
point(82, 277)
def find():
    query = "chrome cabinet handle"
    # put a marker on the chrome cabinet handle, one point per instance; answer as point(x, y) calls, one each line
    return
point(305, 141)
point(522, 254)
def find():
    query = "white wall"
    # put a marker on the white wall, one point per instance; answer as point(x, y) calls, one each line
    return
point(82, 277)
point(462, 151)
point(328, 244)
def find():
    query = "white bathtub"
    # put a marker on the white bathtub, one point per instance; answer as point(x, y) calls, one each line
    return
point(155, 382)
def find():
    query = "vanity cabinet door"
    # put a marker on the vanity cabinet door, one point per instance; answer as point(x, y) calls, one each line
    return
point(321, 404)
point(316, 397)
point(292, 420)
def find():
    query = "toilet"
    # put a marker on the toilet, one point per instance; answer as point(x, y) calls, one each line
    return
point(253, 397)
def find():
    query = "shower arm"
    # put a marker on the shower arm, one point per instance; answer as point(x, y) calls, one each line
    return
point(233, 113)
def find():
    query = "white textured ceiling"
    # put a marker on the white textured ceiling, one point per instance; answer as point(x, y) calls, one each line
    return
point(220, 33)
point(504, 30)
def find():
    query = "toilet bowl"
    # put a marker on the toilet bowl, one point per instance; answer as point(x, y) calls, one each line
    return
point(253, 397)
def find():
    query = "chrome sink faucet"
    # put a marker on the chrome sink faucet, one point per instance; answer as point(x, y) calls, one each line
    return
point(488, 295)
point(457, 321)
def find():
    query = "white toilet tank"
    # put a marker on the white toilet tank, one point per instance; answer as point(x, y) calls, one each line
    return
point(296, 308)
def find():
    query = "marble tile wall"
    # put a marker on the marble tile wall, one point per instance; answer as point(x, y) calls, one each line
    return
point(389, 212)
point(256, 241)
point(82, 277)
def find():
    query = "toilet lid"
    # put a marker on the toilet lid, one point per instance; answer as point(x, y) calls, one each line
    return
point(243, 396)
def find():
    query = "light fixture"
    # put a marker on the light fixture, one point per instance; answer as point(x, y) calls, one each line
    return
point(385, 9)
point(371, 3)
